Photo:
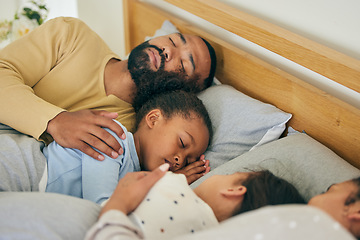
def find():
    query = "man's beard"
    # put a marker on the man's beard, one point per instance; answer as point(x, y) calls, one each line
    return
point(150, 83)
point(139, 61)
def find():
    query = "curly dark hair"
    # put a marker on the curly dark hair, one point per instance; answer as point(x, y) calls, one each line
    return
point(155, 83)
point(209, 80)
point(173, 103)
point(356, 195)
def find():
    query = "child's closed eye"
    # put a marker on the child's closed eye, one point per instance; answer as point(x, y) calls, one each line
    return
point(182, 143)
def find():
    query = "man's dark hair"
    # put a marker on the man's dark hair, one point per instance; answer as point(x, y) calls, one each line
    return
point(209, 80)
point(264, 188)
point(173, 103)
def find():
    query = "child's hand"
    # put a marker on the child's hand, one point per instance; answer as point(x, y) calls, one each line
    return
point(132, 189)
point(195, 170)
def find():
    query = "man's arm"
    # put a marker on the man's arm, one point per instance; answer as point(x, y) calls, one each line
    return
point(85, 128)
point(23, 64)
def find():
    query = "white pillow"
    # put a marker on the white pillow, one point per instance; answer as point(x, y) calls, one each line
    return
point(166, 28)
point(240, 123)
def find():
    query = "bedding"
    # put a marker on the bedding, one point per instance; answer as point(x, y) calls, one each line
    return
point(40, 216)
point(298, 158)
point(290, 222)
point(166, 28)
point(22, 162)
point(307, 164)
point(240, 123)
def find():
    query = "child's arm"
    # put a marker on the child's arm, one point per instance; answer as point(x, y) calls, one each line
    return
point(129, 193)
point(99, 178)
point(195, 170)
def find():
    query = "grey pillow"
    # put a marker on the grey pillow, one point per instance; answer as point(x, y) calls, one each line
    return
point(240, 123)
point(35, 215)
point(307, 164)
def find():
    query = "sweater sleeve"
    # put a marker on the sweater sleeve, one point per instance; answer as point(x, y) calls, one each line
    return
point(23, 64)
point(114, 225)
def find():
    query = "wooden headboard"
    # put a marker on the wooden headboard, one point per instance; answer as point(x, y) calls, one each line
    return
point(332, 122)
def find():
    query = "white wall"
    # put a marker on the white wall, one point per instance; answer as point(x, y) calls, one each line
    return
point(56, 8)
point(65, 8)
point(8, 9)
point(106, 19)
point(329, 22)
point(333, 23)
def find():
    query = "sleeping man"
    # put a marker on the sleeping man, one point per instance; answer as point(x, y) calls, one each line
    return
point(54, 79)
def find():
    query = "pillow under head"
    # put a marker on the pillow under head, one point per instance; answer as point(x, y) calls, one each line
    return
point(240, 123)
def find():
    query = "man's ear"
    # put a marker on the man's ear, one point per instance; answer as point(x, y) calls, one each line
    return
point(233, 192)
point(153, 117)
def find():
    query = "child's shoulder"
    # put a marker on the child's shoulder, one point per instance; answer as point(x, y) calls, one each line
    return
point(127, 133)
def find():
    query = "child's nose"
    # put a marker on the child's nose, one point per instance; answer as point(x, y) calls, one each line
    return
point(178, 161)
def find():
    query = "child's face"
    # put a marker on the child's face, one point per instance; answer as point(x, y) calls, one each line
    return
point(334, 199)
point(177, 141)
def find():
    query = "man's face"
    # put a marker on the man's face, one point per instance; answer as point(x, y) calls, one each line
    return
point(139, 60)
point(184, 54)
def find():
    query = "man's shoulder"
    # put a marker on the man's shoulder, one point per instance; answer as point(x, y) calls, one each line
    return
point(67, 22)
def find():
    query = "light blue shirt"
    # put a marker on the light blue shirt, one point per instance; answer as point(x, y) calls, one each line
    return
point(74, 173)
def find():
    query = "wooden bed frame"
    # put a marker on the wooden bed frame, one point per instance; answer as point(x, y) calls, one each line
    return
point(327, 119)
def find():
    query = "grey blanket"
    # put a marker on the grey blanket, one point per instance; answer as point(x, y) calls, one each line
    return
point(22, 162)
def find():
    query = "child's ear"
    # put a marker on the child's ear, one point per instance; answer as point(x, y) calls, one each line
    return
point(237, 191)
point(152, 117)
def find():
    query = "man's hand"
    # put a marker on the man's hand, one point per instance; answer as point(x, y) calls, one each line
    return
point(132, 189)
point(195, 170)
point(84, 129)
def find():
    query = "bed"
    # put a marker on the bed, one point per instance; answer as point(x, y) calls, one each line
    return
point(263, 116)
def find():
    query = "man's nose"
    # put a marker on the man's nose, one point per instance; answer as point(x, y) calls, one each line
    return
point(169, 53)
